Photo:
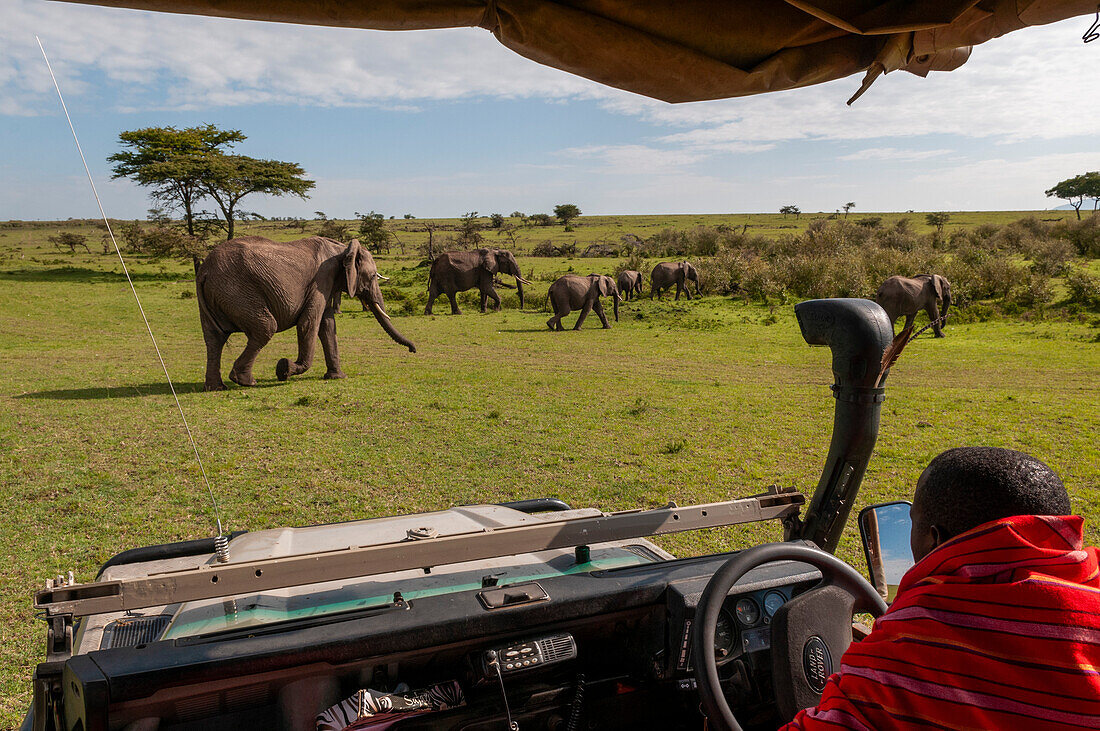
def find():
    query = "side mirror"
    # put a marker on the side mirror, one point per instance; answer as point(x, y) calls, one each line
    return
point(884, 529)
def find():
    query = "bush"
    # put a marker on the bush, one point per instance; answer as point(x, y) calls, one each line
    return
point(331, 229)
point(161, 241)
point(1084, 289)
point(1083, 235)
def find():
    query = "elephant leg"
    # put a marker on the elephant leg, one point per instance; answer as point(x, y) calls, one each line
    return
point(484, 297)
point(215, 342)
point(584, 313)
point(258, 336)
point(492, 293)
point(934, 316)
point(598, 309)
point(308, 328)
point(328, 346)
point(454, 303)
point(433, 292)
point(908, 322)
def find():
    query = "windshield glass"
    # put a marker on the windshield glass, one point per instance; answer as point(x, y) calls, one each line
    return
point(318, 600)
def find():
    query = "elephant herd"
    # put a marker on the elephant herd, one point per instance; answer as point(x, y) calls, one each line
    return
point(259, 287)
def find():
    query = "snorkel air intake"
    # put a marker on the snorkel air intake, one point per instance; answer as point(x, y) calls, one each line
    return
point(857, 331)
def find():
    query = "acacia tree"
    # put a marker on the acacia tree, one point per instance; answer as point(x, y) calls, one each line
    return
point(171, 162)
point(566, 212)
point(939, 220)
point(848, 206)
point(790, 210)
point(229, 178)
point(1075, 190)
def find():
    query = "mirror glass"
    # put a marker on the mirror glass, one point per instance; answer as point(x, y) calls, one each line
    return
point(885, 532)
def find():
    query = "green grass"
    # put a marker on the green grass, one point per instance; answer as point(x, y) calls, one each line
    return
point(690, 401)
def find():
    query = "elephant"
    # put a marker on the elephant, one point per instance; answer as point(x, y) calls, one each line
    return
point(457, 271)
point(908, 295)
point(630, 284)
point(574, 292)
point(260, 287)
point(668, 273)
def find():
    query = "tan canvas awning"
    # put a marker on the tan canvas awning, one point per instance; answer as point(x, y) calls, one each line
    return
point(687, 50)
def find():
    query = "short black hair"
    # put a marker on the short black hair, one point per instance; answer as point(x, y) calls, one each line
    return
point(967, 486)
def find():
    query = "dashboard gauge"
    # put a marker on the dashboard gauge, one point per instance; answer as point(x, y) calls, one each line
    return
point(748, 613)
point(724, 635)
point(773, 602)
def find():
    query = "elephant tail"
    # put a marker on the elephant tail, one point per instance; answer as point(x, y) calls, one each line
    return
point(206, 314)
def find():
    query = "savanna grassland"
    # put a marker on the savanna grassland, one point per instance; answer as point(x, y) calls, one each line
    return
point(691, 401)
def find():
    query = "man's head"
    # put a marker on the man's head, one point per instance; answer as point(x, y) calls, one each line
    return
point(965, 487)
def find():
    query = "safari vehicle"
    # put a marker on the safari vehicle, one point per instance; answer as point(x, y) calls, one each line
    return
point(533, 615)
point(544, 616)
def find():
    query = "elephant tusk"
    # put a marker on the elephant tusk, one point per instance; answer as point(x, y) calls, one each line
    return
point(383, 312)
point(523, 280)
point(384, 279)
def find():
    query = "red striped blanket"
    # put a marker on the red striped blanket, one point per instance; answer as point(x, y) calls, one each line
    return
point(999, 628)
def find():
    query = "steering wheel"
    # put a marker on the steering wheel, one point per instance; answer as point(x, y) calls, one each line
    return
point(808, 634)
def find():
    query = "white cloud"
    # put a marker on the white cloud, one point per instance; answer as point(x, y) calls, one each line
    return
point(184, 62)
point(893, 153)
point(632, 159)
point(1007, 184)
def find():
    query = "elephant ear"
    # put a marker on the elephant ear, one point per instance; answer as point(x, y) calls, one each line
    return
point(937, 284)
point(488, 261)
point(351, 268)
point(606, 286)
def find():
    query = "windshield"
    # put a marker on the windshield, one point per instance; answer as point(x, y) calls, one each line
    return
point(318, 600)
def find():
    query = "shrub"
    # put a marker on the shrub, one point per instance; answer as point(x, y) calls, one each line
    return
point(1084, 289)
point(70, 240)
point(634, 262)
point(332, 229)
point(1083, 235)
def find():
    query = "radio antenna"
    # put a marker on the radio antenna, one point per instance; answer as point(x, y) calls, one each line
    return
point(220, 541)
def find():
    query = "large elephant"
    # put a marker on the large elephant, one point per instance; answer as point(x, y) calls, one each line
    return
point(630, 284)
point(909, 295)
point(574, 292)
point(260, 287)
point(669, 273)
point(457, 271)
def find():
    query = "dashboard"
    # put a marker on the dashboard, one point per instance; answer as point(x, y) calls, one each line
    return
point(618, 639)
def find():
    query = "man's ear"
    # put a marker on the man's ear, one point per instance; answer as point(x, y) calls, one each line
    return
point(940, 536)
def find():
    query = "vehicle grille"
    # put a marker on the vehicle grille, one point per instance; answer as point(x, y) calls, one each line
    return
point(133, 631)
point(558, 647)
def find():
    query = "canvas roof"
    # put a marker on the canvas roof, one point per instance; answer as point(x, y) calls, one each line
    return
point(687, 50)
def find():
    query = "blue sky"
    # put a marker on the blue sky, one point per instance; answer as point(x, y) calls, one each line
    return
point(437, 123)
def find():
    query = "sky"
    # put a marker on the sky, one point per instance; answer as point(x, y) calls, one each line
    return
point(440, 123)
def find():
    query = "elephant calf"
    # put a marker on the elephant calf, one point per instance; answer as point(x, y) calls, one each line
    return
point(909, 295)
point(630, 284)
point(668, 273)
point(260, 287)
point(574, 292)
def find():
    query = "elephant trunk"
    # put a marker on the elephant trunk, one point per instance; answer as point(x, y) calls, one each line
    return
point(615, 298)
point(519, 290)
point(946, 305)
point(384, 321)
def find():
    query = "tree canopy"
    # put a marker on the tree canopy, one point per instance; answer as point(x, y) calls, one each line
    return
point(229, 178)
point(566, 212)
point(182, 166)
point(790, 210)
point(1076, 189)
point(170, 161)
